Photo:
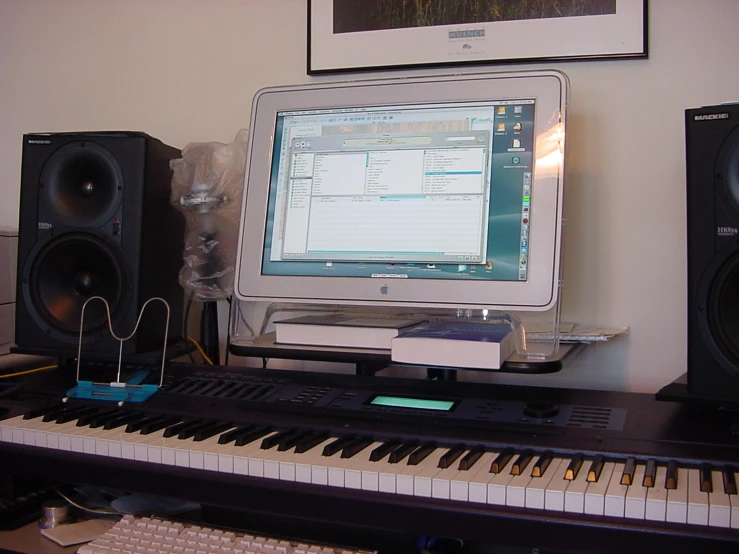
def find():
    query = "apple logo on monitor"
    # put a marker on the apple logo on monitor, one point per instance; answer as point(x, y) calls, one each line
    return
point(384, 289)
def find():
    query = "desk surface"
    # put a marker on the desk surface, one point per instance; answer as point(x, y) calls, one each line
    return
point(29, 540)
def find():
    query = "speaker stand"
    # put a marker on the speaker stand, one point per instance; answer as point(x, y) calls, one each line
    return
point(678, 391)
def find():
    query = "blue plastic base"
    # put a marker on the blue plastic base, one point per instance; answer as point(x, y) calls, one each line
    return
point(112, 393)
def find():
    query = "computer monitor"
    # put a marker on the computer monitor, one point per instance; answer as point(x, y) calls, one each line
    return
point(439, 192)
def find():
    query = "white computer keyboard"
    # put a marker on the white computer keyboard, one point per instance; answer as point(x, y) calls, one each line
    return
point(154, 536)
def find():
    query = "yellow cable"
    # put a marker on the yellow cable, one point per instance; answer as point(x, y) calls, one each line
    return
point(27, 371)
point(200, 349)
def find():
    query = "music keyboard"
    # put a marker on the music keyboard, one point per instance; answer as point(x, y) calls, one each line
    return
point(704, 495)
point(595, 457)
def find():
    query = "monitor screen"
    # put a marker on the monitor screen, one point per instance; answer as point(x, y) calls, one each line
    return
point(437, 192)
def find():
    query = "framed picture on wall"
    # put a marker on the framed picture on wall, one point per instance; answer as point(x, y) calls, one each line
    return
point(357, 35)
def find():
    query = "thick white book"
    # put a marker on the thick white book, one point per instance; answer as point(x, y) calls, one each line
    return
point(341, 331)
point(463, 344)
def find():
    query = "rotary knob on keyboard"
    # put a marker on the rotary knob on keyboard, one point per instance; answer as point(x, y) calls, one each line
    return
point(541, 409)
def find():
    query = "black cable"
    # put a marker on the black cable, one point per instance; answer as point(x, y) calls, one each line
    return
point(228, 332)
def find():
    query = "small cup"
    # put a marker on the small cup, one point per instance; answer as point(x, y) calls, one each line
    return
point(53, 513)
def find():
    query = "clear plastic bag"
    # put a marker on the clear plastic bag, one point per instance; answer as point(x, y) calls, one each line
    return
point(206, 186)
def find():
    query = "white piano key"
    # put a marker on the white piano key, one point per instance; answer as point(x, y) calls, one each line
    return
point(256, 456)
point(372, 471)
point(336, 470)
point(7, 426)
point(719, 505)
point(305, 463)
point(405, 477)
point(734, 500)
point(202, 455)
point(353, 474)
point(441, 484)
point(595, 495)
point(575, 492)
point(478, 484)
point(677, 499)
point(516, 489)
point(656, 509)
point(536, 489)
point(422, 481)
point(212, 451)
point(148, 448)
point(636, 497)
point(86, 442)
point(697, 500)
point(615, 501)
point(460, 485)
point(497, 485)
point(554, 496)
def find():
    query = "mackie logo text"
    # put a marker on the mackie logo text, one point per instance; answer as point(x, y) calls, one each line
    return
point(711, 116)
point(39, 141)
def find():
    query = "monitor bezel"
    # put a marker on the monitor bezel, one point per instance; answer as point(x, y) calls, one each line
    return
point(539, 292)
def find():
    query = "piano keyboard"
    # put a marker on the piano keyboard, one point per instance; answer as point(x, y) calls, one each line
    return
point(552, 481)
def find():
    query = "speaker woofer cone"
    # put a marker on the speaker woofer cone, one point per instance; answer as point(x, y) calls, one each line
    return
point(723, 310)
point(83, 183)
point(66, 273)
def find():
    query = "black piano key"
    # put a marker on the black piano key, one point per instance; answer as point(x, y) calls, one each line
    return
point(356, 447)
point(501, 460)
point(384, 450)
point(72, 415)
point(627, 477)
point(574, 467)
point(542, 464)
point(706, 478)
point(671, 477)
point(190, 431)
point(650, 474)
point(337, 445)
point(288, 442)
point(406, 448)
point(521, 462)
point(123, 420)
point(212, 431)
point(421, 453)
point(309, 442)
point(135, 426)
point(52, 415)
point(99, 421)
point(174, 430)
point(234, 434)
point(596, 468)
point(450, 457)
point(470, 459)
point(87, 419)
point(38, 412)
point(147, 428)
point(274, 440)
point(729, 479)
point(256, 434)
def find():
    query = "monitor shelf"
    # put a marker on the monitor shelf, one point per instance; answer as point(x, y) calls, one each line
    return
point(371, 361)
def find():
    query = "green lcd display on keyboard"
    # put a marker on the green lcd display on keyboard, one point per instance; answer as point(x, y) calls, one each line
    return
point(415, 403)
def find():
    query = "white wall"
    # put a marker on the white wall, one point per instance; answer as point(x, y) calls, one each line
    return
point(186, 71)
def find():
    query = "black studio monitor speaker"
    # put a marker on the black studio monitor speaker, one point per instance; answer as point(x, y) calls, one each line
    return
point(712, 160)
point(96, 220)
